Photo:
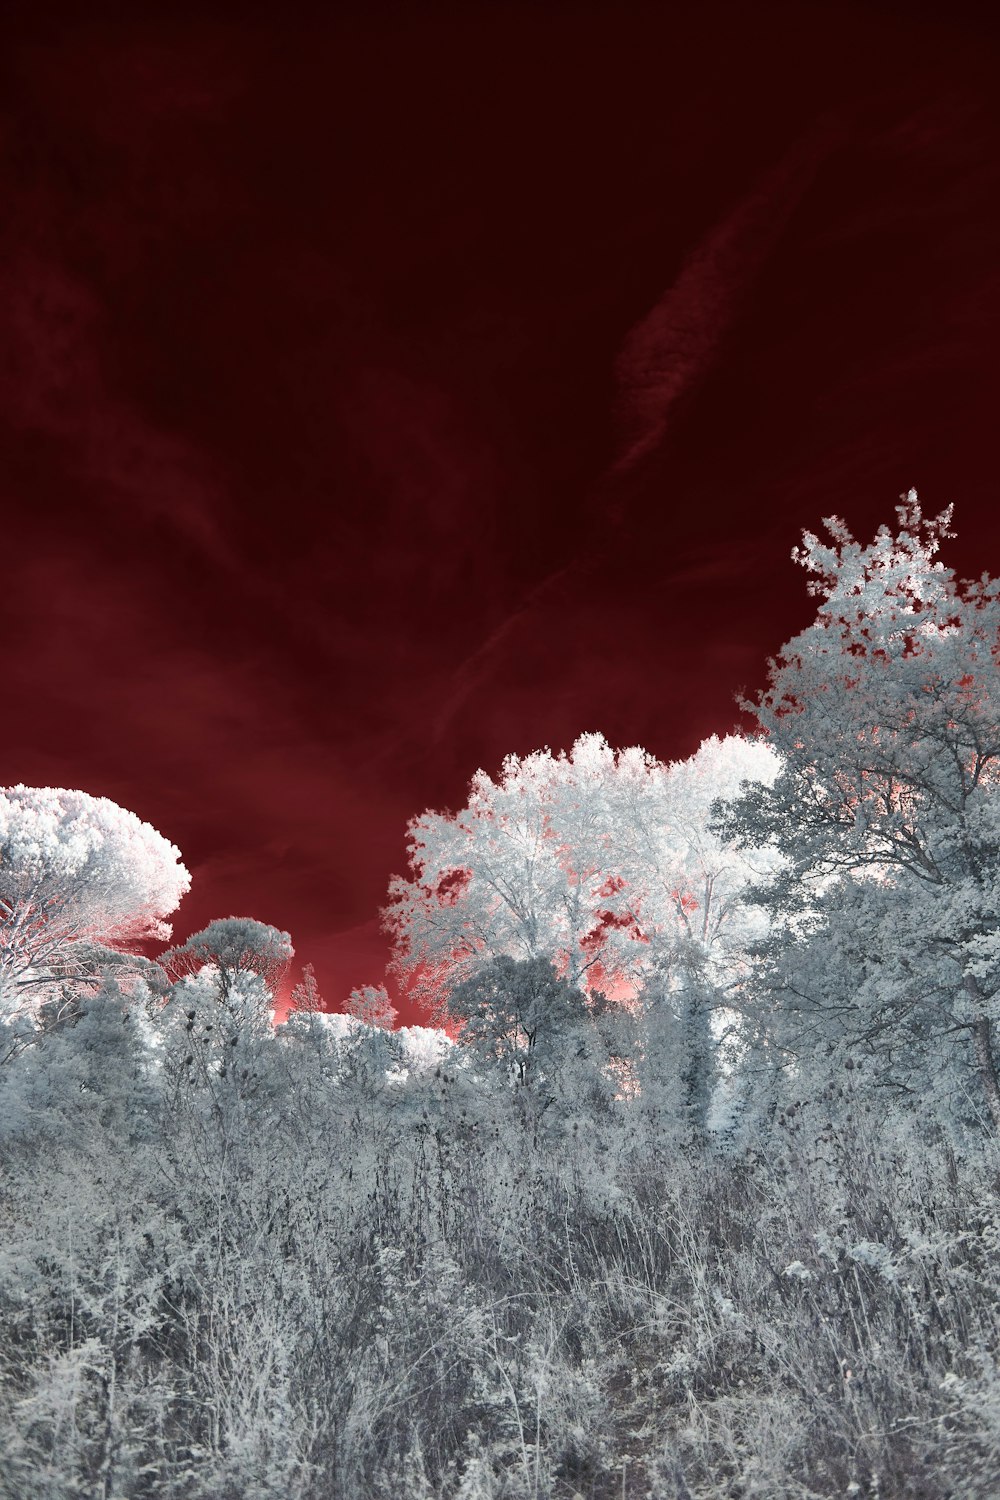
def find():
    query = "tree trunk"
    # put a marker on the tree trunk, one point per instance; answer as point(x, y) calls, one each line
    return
point(982, 1040)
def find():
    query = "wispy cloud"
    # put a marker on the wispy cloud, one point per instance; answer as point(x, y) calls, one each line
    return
point(669, 350)
point(53, 384)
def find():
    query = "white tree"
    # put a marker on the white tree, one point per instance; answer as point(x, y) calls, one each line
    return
point(520, 871)
point(234, 948)
point(78, 875)
point(703, 880)
point(306, 995)
point(600, 862)
point(371, 1005)
point(886, 713)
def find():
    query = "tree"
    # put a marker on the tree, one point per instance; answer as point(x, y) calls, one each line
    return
point(218, 1023)
point(89, 1075)
point(305, 995)
point(518, 872)
point(235, 948)
point(81, 879)
point(599, 862)
point(886, 715)
point(371, 1005)
point(538, 1029)
point(603, 865)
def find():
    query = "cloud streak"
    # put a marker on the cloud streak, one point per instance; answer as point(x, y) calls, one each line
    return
point(671, 349)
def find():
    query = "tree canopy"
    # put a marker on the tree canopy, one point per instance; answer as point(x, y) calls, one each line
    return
point(885, 713)
point(77, 873)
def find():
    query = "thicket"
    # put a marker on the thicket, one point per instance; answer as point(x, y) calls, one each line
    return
point(305, 1280)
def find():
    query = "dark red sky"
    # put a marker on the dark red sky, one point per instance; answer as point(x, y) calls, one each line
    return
point(386, 392)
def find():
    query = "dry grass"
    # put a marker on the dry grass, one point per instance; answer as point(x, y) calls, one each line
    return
point(349, 1293)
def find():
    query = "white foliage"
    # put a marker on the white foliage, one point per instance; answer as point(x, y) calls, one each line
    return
point(886, 715)
point(424, 1047)
point(601, 862)
point(77, 870)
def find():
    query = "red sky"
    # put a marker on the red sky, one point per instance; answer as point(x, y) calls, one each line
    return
point(387, 391)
